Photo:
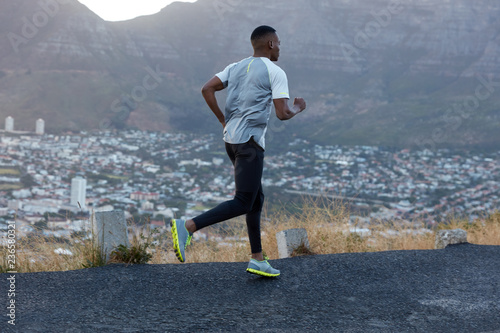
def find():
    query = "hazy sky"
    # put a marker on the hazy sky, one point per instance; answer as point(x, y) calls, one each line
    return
point(119, 10)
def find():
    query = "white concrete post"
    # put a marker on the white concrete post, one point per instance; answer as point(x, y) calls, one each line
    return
point(110, 230)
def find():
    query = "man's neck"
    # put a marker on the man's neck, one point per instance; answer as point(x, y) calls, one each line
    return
point(258, 54)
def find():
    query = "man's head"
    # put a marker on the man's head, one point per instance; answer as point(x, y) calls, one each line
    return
point(265, 41)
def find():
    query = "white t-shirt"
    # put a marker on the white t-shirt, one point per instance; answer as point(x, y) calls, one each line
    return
point(252, 85)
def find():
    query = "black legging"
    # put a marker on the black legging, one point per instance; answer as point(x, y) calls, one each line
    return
point(248, 162)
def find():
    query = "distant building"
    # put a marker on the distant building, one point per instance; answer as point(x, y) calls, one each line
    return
point(4, 211)
point(9, 124)
point(217, 161)
point(40, 127)
point(58, 222)
point(144, 196)
point(146, 205)
point(78, 192)
point(157, 224)
point(15, 204)
point(23, 193)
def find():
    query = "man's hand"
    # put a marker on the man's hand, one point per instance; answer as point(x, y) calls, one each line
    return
point(299, 105)
point(283, 111)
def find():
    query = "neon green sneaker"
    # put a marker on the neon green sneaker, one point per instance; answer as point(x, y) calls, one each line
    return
point(181, 238)
point(262, 268)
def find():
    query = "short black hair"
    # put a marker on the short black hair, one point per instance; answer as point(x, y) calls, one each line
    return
point(261, 32)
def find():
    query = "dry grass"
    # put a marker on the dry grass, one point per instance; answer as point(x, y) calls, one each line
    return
point(329, 231)
point(327, 223)
point(37, 253)
point(484, 231)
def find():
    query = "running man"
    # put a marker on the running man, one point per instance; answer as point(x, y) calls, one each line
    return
point(252, 84)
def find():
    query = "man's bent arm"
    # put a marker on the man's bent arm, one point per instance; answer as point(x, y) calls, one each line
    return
point(283, 112)
point(208, 92)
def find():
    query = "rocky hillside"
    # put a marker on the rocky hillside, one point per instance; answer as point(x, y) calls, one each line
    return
point(398, 73)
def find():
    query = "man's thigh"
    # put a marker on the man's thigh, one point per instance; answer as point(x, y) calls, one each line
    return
point(248, 167)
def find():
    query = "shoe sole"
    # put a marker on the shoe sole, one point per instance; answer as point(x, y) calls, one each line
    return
point(175, 238)
point(261, 273)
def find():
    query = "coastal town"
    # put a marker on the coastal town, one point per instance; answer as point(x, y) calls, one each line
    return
point(57, 181)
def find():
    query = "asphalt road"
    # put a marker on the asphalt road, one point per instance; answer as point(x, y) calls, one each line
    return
point(452, 290)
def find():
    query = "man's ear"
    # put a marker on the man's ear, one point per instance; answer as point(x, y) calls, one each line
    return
point(271, 45)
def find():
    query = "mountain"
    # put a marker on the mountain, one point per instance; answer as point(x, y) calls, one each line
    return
point(422, 73)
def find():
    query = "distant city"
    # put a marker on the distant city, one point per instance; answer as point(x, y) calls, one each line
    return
point(58, 180)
